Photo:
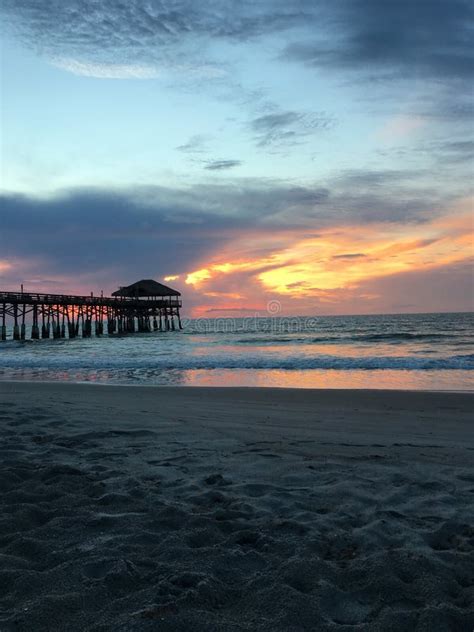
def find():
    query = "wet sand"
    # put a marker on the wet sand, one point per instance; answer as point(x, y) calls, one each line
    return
point(153, 508)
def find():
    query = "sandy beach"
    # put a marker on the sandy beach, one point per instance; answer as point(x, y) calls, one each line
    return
point(142, 508)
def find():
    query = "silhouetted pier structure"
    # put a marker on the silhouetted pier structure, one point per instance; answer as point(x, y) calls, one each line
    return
point(143, 306)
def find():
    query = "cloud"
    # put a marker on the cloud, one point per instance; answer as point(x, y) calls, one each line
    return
point(229, 309)
point(315, 268)
point(436, 289)
point(107, 71)
point(172, 230)
point(222, 241)
point(154, 33)
point(197, 144)
point(99, 225)
point(111, 237)
point(448, 161)
point(394, 37)
point(451, 152)
point(221, 165)
point(287, 128)
point(356, 255)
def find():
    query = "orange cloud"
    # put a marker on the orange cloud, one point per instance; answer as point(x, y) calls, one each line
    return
point(331, 264)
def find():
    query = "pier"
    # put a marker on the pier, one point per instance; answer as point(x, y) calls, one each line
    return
point(141, 307)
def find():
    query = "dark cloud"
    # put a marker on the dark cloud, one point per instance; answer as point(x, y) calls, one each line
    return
point(355, 255)
point(221, 165)
point(424, 39)
point(103, 234)
point(287, 128)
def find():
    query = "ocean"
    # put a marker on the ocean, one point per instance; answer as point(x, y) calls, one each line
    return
point(408, 351)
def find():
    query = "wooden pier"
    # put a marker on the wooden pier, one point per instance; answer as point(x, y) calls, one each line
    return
point(142, 306)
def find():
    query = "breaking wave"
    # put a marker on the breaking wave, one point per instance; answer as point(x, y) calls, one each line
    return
point(209, 362)
point(335, 339)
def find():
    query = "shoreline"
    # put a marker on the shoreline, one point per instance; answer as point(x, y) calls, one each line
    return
point(130, 384)
point(45, 384)
point(224, 509)
point(91, 383)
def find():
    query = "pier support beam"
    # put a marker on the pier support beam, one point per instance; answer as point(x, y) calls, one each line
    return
point(71, 328)
point(56, 329)
point(45, 332)
point(23, 326)
point(16, 328)
point(35, 332)
point(3, 329)
point(87, 328)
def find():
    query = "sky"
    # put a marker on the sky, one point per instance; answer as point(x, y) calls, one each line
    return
point(294, 157)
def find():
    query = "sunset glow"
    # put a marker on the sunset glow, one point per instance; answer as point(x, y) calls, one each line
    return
point(302, 155)
point(342, 259)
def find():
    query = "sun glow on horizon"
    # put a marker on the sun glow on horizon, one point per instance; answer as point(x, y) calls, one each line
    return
point(340, 260)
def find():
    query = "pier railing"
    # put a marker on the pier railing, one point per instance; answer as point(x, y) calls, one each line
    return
point(32, 298)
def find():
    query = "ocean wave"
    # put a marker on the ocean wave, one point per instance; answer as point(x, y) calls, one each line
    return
point(336, 339)
point(401, 337)
point(289, 363)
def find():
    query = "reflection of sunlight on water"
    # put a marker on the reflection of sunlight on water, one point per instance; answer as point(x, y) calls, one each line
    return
point(386, 379)
point(290, 349)
point(403, 380)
